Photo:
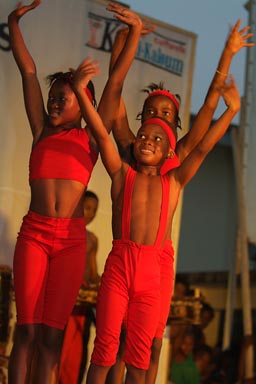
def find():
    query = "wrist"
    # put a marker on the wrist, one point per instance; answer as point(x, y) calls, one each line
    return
point(224, 74)
point(135, 30)
point(122, 32)
point(12, 18)
point(78, 89)
point(229, 50)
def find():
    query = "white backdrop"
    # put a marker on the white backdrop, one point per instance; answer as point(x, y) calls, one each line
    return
point(59, 34)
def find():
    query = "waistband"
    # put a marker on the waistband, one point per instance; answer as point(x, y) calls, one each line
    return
point(58, 223)
point(55, 221)
point(122, 242)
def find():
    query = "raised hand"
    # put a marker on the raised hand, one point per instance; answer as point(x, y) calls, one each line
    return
point(238, 39)
point(85, 72)
point(147, 28)
point(230, 94)
point(125, 15)
point(21, 9)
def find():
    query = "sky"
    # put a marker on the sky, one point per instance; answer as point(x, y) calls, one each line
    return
point(210, 20)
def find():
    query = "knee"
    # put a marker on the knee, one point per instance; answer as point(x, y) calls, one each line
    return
point(50, 339)
point(25, 334)
point(135, 375)
point(156, 349)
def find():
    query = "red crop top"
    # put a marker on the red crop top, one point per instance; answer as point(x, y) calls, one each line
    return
point(64, 155)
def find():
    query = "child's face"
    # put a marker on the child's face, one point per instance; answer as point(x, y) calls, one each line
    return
point(179, 290)
point(151, 146)
point(90, 209)
point(62, 106)
point(187, 345)
point(159, 106)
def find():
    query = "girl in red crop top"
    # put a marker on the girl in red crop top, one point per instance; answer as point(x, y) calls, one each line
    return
point(49, 259)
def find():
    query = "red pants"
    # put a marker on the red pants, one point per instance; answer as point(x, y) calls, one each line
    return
point(166, 287)
point(75, 345)
point(49, 264)
point(72, 350)
point(130, 286)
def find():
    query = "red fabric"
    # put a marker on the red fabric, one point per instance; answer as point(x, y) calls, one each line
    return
point(164, 92)
point(131, 276)
point(170, 164)
point(72, 350)
point(136, 286)
point(48, 267)
point(166, 127)
point(64, 155)
point(166, 286)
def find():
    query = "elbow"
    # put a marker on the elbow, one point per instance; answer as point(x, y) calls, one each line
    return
point(204, 148)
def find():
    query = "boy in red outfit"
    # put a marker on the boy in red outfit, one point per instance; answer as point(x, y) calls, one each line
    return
point(144, 203)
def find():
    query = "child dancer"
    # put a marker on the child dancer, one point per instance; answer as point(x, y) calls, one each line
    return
point(143, 205)
point(162, 103)
point(49, 259)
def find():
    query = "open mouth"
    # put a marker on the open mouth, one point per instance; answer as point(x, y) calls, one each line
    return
point(146, 151)
point(53, 114)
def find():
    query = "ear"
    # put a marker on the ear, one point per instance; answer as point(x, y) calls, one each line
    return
point(170, 154)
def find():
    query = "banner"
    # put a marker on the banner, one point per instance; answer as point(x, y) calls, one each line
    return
point(59, 34)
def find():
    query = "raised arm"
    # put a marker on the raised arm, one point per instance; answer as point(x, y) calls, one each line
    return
point(109, 154)
point(110, 100)
point(121, 129)
point(122, 133)
point(32, 92)
point(190, 165)
point(237, 39)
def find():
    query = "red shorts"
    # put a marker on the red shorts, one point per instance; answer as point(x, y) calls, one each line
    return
point(48, 267)
point(166, 286)
point(130, 286)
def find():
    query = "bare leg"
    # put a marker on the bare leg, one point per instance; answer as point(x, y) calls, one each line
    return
point(22, 352)
point(97, 374)
point(116, 372)
point(154, 361)
point(135, 375)
point(89, 319)
point(49, 350)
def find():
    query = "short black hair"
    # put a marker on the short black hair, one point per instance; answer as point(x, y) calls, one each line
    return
point(67, 78)
point(203, 350)
point(155, 87)
point(206, 307)
point(90, 194)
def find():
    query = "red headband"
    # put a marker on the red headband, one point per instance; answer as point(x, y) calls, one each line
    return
point(161, 123)
point(173, 162)
point(164, 92)
point(89, 94)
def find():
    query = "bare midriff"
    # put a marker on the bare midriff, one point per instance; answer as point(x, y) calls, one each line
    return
point(57, 198)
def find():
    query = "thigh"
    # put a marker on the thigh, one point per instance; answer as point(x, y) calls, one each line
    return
point(111, 308)
point(144, 310)
point(142, 321)
point(166, 289)
point(66, 270)
point(30, 268)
